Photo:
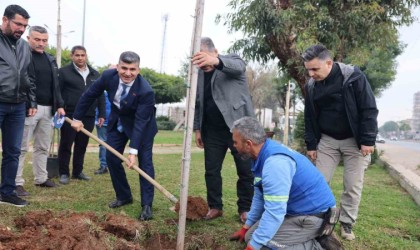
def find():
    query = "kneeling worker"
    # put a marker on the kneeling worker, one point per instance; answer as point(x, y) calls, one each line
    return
point(291, 197)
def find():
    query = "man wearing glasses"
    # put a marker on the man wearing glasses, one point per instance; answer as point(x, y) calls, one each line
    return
point(17, 97)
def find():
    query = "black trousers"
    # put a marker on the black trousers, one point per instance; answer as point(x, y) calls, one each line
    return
point(80, 140)
point(216, 142)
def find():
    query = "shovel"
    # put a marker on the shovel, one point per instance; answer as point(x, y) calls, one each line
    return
point(171, 197)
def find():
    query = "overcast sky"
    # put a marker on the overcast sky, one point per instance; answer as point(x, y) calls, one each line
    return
point(116, 26)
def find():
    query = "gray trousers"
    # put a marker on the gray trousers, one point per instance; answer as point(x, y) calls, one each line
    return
point(296, 232)
point(329, 153)
point(39, 127)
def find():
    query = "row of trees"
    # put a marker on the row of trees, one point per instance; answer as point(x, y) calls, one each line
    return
point(398, 129)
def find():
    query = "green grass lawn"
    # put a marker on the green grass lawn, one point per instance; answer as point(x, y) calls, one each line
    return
point(162, 137)
point(170, 137)
point(388, 218)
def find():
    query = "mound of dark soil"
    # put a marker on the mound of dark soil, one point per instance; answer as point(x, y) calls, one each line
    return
point(196, 208)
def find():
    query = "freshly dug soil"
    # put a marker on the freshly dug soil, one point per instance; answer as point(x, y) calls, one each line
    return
point(44, 230)
point(196, 208)
point(40, 230)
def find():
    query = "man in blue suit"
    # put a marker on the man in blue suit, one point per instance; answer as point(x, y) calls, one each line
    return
point(132, 118)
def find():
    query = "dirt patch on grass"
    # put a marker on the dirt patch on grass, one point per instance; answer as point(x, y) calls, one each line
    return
point(44, 230)
point(196, 208)
point(68, 230)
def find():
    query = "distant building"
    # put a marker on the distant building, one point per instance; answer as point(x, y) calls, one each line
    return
point(415, 122)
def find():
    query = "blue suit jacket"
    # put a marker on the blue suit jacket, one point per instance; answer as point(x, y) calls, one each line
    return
point(137, 111)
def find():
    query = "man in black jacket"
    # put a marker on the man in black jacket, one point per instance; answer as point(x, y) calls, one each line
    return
point(74, 79)
point(340, 123)
point(49, 100)
point(16, 89)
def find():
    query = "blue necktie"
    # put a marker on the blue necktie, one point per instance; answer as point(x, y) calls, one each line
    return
point(124, 94)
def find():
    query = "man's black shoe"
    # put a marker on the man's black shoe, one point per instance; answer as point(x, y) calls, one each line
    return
point(81, 176)
point(118, 203)
point(48, 183)
point(146, 213)
point(13, 200)
point(102, 170)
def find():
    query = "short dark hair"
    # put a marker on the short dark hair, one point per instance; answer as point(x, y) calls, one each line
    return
point(250, 129)
point(130, 57)
point(208, 43)
point(14, 9)
point(77, 47)
point(316, 51)
point(38, 29)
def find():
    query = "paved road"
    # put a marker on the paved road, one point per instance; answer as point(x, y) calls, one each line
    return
point(403, 153)
point(403, 159)
point(406, 144)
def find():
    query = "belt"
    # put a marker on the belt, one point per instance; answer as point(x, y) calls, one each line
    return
point(319, 215)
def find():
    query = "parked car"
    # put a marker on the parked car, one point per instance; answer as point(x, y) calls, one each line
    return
point(380, 139)
point(394, 138)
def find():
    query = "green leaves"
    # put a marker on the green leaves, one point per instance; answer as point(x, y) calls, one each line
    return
point(65, 54)
point(358, 32)
point(167, 88)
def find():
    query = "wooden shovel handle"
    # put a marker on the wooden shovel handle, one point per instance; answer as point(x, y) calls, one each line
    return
point(170, 196)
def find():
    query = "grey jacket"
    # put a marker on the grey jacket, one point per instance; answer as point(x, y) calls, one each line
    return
point(16, 84)
point(230, 91)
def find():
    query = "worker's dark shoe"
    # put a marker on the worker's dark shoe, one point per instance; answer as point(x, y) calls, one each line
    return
point(330, 242)
point(119, 203)
point(347, 231)
point(20, 191)
point(146, 213)
point(213, 214)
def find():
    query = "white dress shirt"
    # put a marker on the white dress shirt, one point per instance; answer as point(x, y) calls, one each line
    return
point(117, 97)
point(116, 101)
point(83, 72)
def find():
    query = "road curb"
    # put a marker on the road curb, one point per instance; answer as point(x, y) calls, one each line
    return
point(404, 177)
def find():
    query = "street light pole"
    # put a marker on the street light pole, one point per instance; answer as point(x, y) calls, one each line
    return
point(84, 20)
point(58, 52)
point(286, 117)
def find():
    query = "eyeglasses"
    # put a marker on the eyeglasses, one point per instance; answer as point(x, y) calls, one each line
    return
point(20, 25)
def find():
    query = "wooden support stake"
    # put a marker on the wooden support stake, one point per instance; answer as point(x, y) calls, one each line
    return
point(190, 108)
